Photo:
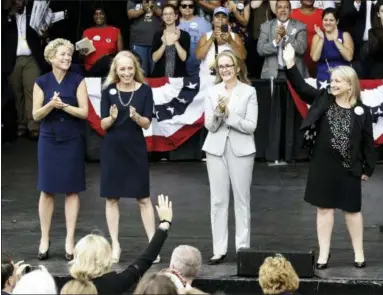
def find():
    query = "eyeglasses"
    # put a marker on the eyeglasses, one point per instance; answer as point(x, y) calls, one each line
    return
point(225, 67)
point(184, 6)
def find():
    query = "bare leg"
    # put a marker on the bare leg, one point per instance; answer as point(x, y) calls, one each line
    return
point(354, 223)
point(325, 224)
point(46, 208)
point(72, 207)
point(147, 216)
point(112, 211)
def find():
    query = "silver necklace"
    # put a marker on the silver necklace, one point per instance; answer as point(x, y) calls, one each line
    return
point(130, 99)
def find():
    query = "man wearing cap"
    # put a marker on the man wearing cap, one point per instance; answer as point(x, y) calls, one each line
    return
point(275, 35)
point(218, 40)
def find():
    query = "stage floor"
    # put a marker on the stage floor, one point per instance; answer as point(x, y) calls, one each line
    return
point(281, 220)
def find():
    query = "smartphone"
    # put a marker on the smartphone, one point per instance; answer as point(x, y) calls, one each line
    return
point(225, 28)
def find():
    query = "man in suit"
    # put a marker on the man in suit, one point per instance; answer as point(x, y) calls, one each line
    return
point(355, 17)
point(277, 33)
point(22, 61)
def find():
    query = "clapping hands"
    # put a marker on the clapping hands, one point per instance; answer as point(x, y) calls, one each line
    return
point(222, 105)
point(319, 31)
point(56, 101)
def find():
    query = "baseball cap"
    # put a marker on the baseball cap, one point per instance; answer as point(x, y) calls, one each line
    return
point(221, 9)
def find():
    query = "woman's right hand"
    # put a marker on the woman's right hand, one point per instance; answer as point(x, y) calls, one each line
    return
point(289, 56)
point(318, 31)
point(113, 112)
point(164, 210)
point(56, 101)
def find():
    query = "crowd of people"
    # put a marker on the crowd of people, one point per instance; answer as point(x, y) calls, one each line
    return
point(197, 38)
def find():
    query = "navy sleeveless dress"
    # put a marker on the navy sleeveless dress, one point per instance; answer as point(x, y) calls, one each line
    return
point(61, 149)
point(124, 157)
point(330, 58)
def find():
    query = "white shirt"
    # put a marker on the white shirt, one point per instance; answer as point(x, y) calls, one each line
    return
point(317, 4)
point(368, 17)
point(22, 44)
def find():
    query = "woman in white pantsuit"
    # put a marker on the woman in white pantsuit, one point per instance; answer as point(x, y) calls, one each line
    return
point(231, 113)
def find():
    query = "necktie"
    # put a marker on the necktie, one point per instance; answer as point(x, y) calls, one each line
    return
point(280, 53)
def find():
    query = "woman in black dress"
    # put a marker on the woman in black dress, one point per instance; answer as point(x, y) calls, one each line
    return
point(342, 155)
point(126, 108)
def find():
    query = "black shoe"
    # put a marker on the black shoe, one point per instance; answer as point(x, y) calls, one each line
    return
point(68, 257)
point(323, 265)
point(213, 261)
point(45, 255)
point(360, 264)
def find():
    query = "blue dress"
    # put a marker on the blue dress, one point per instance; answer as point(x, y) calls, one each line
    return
point(124, 156)
point(61, 150)
point(330, 58)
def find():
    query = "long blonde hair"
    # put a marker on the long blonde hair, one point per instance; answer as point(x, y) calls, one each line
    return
point(112, 75)
point(349, 75)
point(92, 258)
point(238, 64)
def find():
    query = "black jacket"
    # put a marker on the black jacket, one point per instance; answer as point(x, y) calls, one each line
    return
point(9, 40)
point(362, 142)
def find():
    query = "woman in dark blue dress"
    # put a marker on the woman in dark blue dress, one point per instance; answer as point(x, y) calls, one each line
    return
point(60, 102)
point(330, 48)
point(126, 108)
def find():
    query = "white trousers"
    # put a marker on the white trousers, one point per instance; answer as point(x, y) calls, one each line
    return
point(223, 171)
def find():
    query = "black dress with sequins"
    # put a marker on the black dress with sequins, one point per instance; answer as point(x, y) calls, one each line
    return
point(330, 183)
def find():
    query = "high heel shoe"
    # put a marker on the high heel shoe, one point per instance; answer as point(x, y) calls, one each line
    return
point(360, 264)
point(44, 255)
point(218, 260)
point(323, 265)
point(116, 253)
point(68, 256)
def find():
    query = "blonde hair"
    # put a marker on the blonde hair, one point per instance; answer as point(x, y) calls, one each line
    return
point(155, 284)
point(187, 260)
point(51, 49)
point(238, 64)
point(79, 287)
point(349, 75)
point(277, 275)
point(92, 258)
point(112, 75)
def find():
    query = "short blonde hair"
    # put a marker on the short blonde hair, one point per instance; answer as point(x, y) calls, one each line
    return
point(349, 75)
point(92, 258)
point(79, 287)
point(51, 49)
point(112, 75)
point(277, 275)
point(238, 64)
point(187, 260)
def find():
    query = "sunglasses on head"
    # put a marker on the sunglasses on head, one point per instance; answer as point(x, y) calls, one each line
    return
point(184, 6)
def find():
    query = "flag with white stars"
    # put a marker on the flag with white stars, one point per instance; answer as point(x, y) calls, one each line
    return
point(177, 114)
point(371, 96)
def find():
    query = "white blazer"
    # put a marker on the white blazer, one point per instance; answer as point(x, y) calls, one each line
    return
point(239, 126)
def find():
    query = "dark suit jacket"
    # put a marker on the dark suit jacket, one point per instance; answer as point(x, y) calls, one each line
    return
point(10, 38)
point(119, 283)
point(362, 142)
point(354, 21)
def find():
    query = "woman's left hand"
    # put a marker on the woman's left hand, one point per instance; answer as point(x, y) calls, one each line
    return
point(133, 114)
point(364, 177)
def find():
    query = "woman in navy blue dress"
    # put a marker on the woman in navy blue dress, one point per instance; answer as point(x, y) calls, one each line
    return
point(60, 102)
point(330, 48)
point(126, 108)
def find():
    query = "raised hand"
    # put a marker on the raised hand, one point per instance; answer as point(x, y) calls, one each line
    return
point(113, 112)
point(289, 55)
point(164, 208)
point(318, 31)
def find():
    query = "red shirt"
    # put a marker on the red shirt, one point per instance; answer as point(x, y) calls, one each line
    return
point(105, 41)
point(309, 20)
